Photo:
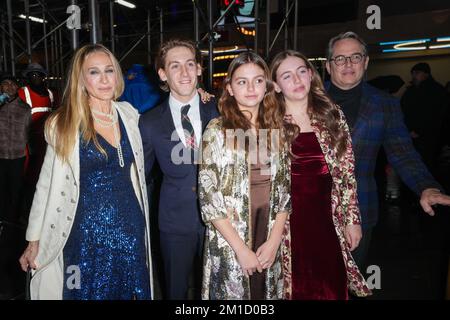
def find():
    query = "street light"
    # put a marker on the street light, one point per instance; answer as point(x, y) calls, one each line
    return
point(126, 4)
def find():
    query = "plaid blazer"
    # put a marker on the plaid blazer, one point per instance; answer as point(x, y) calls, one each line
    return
point(380, 123)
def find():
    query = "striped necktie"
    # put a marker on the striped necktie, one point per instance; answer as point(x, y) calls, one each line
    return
point(188, 129)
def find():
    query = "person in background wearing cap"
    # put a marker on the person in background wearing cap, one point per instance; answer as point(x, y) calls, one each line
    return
point(15, 120)
point(375, 120)
point(40, 99)
point(424, 105)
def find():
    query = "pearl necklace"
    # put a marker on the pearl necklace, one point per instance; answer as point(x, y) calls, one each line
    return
point(113, 120)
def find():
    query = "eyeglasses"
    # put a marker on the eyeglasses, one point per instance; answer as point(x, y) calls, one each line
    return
point(354, 59)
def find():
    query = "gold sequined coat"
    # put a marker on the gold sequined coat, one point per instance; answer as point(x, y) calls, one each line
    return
point(224, 193)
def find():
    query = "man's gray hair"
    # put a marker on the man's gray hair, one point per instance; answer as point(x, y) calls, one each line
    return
point(342, 36)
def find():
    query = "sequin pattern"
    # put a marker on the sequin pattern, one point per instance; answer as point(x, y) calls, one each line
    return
point(107, 241)
point(224, 193)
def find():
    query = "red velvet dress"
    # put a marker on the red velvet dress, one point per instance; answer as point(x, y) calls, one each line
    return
point(318, 270)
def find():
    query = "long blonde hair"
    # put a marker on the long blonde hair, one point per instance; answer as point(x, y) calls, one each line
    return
point(74, 115)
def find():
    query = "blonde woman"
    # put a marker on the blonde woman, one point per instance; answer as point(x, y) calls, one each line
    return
point(88, 229)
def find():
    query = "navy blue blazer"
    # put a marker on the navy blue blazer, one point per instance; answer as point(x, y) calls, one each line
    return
point(380, 123)
point(178, 202)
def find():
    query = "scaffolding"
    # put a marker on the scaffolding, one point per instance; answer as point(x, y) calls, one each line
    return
point(58, 40)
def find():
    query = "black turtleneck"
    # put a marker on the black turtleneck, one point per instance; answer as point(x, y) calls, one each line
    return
point(348, 100)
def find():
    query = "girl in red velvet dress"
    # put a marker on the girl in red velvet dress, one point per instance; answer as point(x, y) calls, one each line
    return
point(325, 219)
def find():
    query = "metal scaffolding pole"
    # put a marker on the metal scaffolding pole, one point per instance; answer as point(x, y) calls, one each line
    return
point(44, 29)
point(161, 37)
point(220, 18)
point(15, 37)
point(267, 28)
point(286, 26)
point(210, 47)
point(27, 27)
point(256, 24)
point(52, 53)
point(42, 39)
point(60, 47)
point(111, 27)
point(149, 38)
point(282, 25)
point(5, 61)
point(43, 5)
point(74, 32)
point(94, 21)
point(296, 25)
point(196, 23)
point(55, 62)
point(132, 48)
point(11, 42)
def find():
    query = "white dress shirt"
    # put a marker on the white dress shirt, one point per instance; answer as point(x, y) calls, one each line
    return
point(193, 114)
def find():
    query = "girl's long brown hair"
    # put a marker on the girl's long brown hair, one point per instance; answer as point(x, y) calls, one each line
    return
point(269, 113)
point(320, 106)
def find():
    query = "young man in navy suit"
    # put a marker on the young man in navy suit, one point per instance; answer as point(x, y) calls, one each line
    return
point(171, 134)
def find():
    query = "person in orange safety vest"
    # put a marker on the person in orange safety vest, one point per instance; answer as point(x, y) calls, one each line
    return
point(40, 99)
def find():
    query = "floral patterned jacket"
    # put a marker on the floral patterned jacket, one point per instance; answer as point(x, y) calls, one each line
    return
point(344, 203)
point(224, 193)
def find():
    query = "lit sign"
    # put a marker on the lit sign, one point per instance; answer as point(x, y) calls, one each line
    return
point(416, 44)
point(244, 10)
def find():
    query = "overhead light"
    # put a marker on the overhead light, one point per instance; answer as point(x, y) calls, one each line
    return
point(443, 39)
point(247, 32)
point(220, 74)
point(411, 45)
point(404, 41)
point(32, 18)
point(405, 49)
point(317, 59)
point(226, 57)
point(405, 46)
point(441, 46)
point(126, 4)
point(230, 49)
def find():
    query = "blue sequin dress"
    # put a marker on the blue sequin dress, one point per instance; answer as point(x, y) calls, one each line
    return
point(107, 240)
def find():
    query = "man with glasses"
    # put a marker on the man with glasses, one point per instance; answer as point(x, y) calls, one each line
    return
point(375, 120)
